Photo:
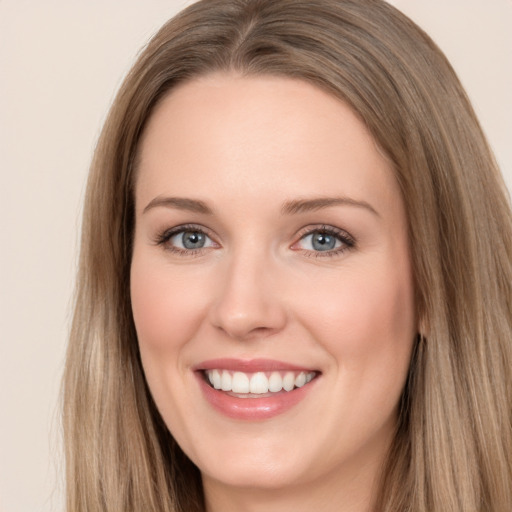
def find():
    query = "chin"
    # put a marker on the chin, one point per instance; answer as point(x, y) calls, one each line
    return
point(256, 473)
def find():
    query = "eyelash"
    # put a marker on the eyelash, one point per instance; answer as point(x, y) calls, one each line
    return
point(164, 237)
point(348, 242)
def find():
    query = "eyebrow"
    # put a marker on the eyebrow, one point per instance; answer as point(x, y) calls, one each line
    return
point(294, 207)
point(319, 203)
point(180, 203)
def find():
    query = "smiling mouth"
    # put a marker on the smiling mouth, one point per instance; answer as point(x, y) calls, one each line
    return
point(257, 384)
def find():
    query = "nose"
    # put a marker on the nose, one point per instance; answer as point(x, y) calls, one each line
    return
point(249, 302)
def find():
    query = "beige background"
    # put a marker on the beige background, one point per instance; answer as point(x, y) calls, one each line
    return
point(61, 62)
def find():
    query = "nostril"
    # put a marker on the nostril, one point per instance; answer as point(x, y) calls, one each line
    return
point(243, 331)
point(246, 310)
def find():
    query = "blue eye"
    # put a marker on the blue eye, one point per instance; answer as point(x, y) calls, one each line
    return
point(326, 240)
point(189, 240)
point(185, 240)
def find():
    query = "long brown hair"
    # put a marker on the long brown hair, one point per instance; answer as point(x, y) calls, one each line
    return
point(453, 446)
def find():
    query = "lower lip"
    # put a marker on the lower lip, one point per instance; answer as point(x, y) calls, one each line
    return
point(252, 408)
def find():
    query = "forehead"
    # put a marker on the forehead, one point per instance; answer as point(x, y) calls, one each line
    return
point(254, 136)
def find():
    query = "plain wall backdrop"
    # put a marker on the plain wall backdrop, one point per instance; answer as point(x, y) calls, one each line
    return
point(61, 63)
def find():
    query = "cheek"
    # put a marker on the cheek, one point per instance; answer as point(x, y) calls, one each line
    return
point(166, 305)
point(361, 303)
point(366, 322)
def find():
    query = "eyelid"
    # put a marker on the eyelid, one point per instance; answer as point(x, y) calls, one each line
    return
point(348, 242)
point(162, 238)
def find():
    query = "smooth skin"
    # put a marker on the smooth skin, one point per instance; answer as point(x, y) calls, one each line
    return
point(269, 167)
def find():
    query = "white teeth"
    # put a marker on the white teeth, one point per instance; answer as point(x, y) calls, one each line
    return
point(240, 383)
point(258, 383)
point(275, 383)
point(300, 380)
point(226, 381)
point(217, 381)
point(289, 381)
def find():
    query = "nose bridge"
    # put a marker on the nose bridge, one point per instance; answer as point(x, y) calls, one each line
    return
point(248, 302)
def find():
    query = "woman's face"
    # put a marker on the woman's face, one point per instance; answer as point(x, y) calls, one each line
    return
point(271, 260)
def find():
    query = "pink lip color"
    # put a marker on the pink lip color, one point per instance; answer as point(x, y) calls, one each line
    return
point(251, 408)
point(249, 366)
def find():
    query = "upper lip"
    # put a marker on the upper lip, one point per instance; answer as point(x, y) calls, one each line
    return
point(249, 365)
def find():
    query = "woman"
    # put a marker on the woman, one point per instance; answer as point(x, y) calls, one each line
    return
point(295, 278)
